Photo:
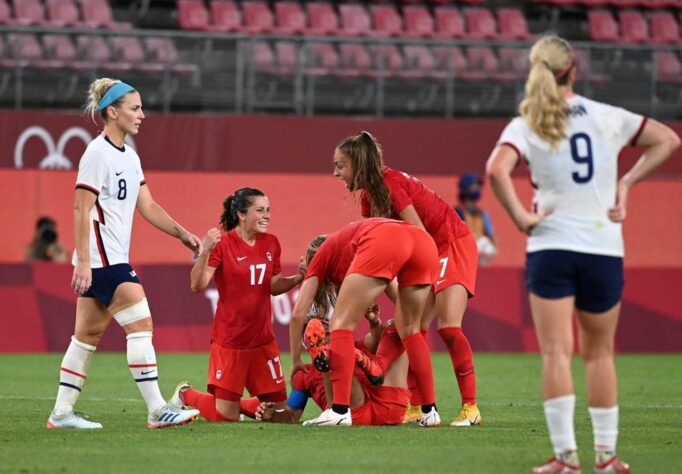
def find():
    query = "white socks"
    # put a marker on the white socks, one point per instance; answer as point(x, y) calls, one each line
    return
point(72, 375)
point(559, 414)
point(142, 364)
point(605, 428)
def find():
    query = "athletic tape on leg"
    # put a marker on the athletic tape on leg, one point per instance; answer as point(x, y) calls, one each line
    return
point(139, 310)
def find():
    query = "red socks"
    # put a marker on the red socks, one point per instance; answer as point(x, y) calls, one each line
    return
point(205, 403)
point(420, 363)
point(390, 348)
point(462, 361)
point(247, 406)
point(341, 364)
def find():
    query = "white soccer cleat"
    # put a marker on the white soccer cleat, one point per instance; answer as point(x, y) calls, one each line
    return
point(430, 419)
point(330, 418)
point(171, 416)
point(176, 400)
point(71, 420)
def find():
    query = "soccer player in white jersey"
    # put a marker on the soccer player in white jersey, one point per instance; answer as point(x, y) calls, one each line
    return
point(109, 187)
point(575, 245)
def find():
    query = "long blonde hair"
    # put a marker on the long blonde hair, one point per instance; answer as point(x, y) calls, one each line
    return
point(325, 298)
point(98, 88)
point(543, 107)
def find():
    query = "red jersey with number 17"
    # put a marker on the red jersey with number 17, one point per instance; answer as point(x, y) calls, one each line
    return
point(243, 273)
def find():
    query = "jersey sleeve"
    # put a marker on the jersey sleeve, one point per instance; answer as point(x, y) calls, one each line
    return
point(397, 188)
point(140, 172)
point(622, 125)
point(513, 135)
point(92, 172)
point(276, 257)
point(216, 257)
point(319, 265)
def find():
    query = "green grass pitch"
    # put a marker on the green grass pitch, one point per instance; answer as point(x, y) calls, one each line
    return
point(512, 439)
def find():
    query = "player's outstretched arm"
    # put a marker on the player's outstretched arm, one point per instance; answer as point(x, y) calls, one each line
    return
point(202, 273)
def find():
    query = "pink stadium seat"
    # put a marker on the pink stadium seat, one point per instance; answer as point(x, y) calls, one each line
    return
point(6, 14)
point(513, 61)
point(162, 50)
point(593, 3)
point(225, 16)
point(354, 60)
point(97, 13)
point(386, 57)
point(668, 68)
point(624, 3)
point(633, 27)
point(263, 57)
point(419, 62)
point(355, 20)
point(63, 13)
point(258, 17)
point(664, 28)
point(322, 19)
point(24, 47)
point(482, 64)
point(286, 57)
point(59, 47)
point(29, 12)
point(418, 22)
point(450, 60)
point(480, 23)
point(449, 23)
point(129, 49)
point(290, 18)
point(656, 4)
point(324, 59)
point(192, 15)
point(512, 24)
point(602, 25)
point(585, 71)
point(386, 20)
point(95, 49)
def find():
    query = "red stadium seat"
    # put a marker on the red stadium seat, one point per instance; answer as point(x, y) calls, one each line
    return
point(624, 3)
point(24, 47)
point(355, 20)
point(286, 55)
point(387, 58)
point(59, 47)
point(258, 17)
point(354, 60)
point(322, 19)
point(633, 27)
point(512, 24)
point(290, 18)
point(262, 57)
point(6, 14)
point(386, 20)
point(192, 15)
point(585, 71)
point(129, 49)
point(668, 68)
point(29, 12)
point(513, 61)
point(482, 64)
point(450, 60)
point(419, 62)
point(480, 23)
point(593, 3)
point(225, 16)
point(323, 59)
point(664, 28)
point(603, 26)
point(418, 22)
point(163, 50)
point(63, 13)
point(656, 4)
point(97, 13)
point(449, 23)
point(95, 49)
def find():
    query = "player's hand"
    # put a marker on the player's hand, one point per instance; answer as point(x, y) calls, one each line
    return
point(192, 242)
point(211, 239)
point(528, 220)
point(618, 212)
point(82, 278)
point(265, 411)
point(372, 315)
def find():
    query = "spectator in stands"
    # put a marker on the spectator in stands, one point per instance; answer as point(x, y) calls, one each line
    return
point(45, 245)
point(109, 188)
point(575, 245)
point(477, 218)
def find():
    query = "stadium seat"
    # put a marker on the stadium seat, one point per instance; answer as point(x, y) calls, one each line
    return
point(664, 28)
point(322, 19)
point(386, 20)
point(97, 14)
point(512, 24)
point(667, 66)
point(59, 47)
point(63, 13)
point(482, 64)
point(225, 16)
point(258, 17)
point(450, 60)
point(95, 49)
point(619, 4)
point(6, 14)
point(355, 20)
point(513, 62)
point(323, 59)
point(449, 23)
point(480, 23)
point(192, 15)
point(419, 62)
point(603, 26)
point(593, 3)
point(354, 60)
point(26, 51)
point(290, 18)
point(633, 27)
point(163, 50)
point(418, 22)
point(129, 49)
point(386, 58)
point(29, 12)
point(585, 70)
point(286, 57)
point(657, 4)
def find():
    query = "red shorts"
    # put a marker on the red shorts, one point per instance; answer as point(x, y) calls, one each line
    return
point(383, 406)
point(257, 369)
point(458, 265)
point(396, 250)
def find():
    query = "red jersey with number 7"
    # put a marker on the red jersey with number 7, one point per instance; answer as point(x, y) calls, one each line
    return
point(243, 273)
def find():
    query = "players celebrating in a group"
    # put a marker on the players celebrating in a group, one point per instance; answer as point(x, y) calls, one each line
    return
point(245, 262)
point(575, 245)
point(109, 187)
point(385, 192)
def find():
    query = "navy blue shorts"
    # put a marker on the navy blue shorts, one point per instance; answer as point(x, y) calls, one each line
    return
point(105, 280)
point(596, 281)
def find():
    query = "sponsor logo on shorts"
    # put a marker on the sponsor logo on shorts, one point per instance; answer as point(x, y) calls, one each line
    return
point(218, 374)
point(133, 274)
point(440, 281)
point(279, 380)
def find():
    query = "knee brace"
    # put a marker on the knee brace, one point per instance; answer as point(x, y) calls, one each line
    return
point(136, 312)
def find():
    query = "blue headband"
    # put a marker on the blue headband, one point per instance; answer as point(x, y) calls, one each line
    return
point(114, 93)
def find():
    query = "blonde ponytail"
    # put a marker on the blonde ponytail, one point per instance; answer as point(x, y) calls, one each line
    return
point(98, 88)
point(543, 107)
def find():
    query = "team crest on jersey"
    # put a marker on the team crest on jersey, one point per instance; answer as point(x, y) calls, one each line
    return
point(218, 374)
point(269, 255)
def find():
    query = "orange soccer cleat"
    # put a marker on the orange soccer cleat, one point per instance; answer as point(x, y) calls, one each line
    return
point(370, 367)
point(315, 341)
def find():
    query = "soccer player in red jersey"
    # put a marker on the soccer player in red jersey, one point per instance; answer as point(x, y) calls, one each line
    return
point(385, 192)
point(360, 260)
point(244, 260)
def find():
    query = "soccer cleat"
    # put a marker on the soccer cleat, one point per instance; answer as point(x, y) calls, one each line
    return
point(171, 416)
point(370, 367)
point(612, 466)
point(71, 420)
point(413, 413)
point(468, 416)
point(566, 463)
point(314, 338)
point(430, 419)
point(330, 418)
point(176, 400)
